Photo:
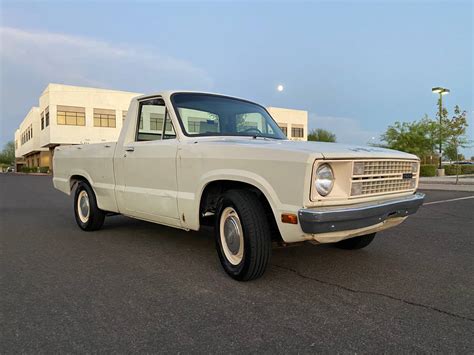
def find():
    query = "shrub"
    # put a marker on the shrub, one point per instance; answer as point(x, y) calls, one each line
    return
point(451, 169)
point(26, 169)
point(467, 169)
point(463, 169)
point(44, 169)
point(428, 170)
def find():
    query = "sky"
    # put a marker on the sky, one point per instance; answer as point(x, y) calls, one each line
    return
point(355, 66)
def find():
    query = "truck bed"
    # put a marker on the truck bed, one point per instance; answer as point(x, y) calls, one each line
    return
point(93, 161)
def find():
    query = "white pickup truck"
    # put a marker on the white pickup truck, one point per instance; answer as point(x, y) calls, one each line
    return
point(184, 159)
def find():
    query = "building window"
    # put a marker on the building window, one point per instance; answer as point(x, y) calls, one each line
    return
point(193, 125)
point(156, 121)
point(27, 134)
point(297, 132)
point(46, 114)
point(42, 120)
point(104, 118)
point(284, 129)
point(70, 116)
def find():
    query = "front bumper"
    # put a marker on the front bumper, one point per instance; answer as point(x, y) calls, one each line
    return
point(341, 218)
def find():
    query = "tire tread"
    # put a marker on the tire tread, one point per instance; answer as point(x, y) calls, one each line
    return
point(257, 229)
point(96, 217)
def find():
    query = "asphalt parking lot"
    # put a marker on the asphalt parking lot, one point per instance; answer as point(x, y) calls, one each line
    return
point(139, 287)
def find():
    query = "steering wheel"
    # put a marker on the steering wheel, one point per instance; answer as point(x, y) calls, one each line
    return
point(254, 129)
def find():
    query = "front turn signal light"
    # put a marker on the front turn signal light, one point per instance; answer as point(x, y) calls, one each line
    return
point(289, 218)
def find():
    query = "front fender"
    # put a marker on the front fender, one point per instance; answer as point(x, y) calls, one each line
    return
point(190, 203)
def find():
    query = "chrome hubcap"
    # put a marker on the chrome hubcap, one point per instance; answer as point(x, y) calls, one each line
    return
point(232, 237)
point(83, 207)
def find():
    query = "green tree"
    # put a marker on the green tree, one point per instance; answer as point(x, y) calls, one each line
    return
point(450, 153)
point(455, 134)
point(7, 156)
point(411, 137)
point(431, 128)
point(321, 135)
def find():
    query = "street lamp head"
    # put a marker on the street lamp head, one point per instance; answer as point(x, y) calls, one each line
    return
point(440, 90)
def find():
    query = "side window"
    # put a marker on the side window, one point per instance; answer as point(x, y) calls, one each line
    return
point(151, 119)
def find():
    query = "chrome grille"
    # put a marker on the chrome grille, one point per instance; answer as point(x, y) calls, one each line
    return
point(374, 177)
point(382, 167)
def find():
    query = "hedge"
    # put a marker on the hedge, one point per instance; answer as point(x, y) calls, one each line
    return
point(428, 170)
point(26, 169)
point(34, 169)
point(467, 169)
point(463, 169)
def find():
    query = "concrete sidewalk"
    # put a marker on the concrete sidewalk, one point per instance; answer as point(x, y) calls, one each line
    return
point(465, 183)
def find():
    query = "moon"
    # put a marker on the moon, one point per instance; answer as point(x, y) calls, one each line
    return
point(280, 87)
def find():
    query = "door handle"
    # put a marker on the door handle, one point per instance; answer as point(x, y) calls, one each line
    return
point(129, 149)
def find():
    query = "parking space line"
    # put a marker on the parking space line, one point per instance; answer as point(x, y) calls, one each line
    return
point(452, 199)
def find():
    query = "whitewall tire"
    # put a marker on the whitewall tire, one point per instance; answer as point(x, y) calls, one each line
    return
point(243, 238)
point(88, 215)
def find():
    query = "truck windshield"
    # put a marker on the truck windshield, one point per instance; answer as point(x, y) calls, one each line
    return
point(214, 115)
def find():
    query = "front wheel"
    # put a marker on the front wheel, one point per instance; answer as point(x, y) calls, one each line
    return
point(243, 238)
point(88, 215)
point(356, 242)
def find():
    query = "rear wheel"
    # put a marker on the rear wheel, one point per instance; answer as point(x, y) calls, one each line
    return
point(356, 242)
point(88, 215)
point(243, 238)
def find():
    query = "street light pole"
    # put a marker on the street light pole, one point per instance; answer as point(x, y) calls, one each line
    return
point(440, 125)
point(441, 91)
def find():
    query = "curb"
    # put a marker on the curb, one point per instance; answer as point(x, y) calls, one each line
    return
point(34, 174)
point(446, 187)
point(460, 183)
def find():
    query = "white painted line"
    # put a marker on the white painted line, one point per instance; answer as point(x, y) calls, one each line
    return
point(443, 201)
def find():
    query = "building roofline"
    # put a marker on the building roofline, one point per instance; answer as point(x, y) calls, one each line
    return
point(76, 88)
point(285, 108)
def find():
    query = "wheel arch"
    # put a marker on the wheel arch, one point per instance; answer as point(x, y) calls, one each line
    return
point(213, 189)
point(76, 178)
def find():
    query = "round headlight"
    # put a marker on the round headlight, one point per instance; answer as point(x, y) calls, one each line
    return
point(324, 179)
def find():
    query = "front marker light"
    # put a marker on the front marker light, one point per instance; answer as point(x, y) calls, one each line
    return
point(324, 181)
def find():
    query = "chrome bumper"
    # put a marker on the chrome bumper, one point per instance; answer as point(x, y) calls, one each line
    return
point(340, 218)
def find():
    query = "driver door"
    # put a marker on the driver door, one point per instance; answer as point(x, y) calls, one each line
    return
point(149, 166)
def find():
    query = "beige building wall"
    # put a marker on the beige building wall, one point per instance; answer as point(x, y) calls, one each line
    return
point(85, 101)
point(294, 123)
point(28, 150)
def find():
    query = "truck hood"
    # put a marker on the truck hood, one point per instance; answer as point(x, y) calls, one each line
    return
point(326, 150)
